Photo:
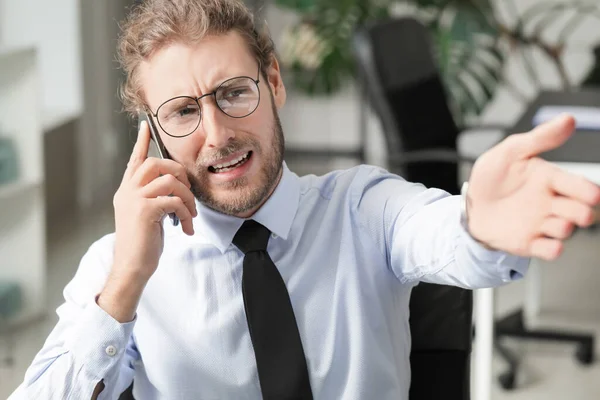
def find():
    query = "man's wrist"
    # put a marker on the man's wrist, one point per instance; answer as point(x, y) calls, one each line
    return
point(464, 215)
point(120, 297)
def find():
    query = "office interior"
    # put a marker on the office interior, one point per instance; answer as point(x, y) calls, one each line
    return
point(64, 144)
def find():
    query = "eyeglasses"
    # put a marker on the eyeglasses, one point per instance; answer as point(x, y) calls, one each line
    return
point(236, 97)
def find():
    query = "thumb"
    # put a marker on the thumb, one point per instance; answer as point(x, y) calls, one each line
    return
point(547, 136)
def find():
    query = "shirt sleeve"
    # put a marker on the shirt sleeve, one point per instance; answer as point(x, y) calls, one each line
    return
point(87, 345)
point(419, 232)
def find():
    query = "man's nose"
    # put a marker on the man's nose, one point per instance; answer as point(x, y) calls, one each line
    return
point(217, 134)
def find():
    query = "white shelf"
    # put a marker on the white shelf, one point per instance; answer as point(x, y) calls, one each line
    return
point(16, 188)
point(22, 205)
point(40, 89)
point(20, 105)
point(53, 29)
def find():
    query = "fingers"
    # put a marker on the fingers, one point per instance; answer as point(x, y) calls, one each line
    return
point(546, 248)
point(140, 150)
point(168, 185)
point(557, 228)
point(172, 204)
point(575, 186)
point(544, 137)
point(572, 210)
point(153, 168)
point(549, 245)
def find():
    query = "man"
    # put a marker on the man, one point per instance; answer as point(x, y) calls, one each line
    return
point(199, 311)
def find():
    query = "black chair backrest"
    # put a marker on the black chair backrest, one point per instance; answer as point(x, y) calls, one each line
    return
point(401, 79)
point(399, 76)
point(441, 330)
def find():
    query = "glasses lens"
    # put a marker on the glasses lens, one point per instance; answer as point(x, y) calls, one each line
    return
point(238, 97)
point(179, 116)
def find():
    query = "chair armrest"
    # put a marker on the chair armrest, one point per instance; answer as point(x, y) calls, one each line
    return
point(432, 155)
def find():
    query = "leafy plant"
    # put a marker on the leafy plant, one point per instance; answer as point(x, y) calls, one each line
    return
point(530, 32)
point(317, 50)
point(471, 40)
point(467, 49)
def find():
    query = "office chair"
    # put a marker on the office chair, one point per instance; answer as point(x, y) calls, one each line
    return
point(399, 75)
point(401, 81)
point(440, 359)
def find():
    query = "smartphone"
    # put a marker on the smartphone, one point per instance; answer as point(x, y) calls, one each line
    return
point(160, 147)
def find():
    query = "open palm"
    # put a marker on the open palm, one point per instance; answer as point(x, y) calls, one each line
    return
point(522, 204)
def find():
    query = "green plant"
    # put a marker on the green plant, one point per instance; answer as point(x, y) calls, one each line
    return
point(472, 42)
point(317, 50)
point(466, 45)
point(529, 32)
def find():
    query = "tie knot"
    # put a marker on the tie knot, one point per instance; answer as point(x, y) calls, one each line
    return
point(252, 236)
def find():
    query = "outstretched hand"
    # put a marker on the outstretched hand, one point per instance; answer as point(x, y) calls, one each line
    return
point(524, 205)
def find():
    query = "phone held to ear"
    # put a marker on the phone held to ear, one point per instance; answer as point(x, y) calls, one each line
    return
point(162, 151)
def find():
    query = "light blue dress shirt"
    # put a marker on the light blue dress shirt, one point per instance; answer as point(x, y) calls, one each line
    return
point(350, 246)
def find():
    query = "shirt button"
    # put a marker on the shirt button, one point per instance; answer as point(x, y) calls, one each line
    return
point(274, 236)
point(111, 350)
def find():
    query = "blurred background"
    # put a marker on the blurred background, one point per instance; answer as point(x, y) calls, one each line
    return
point(64, 141)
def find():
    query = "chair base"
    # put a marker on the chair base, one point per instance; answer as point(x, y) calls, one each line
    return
point(513, 326)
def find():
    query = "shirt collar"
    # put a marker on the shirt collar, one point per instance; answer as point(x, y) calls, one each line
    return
point(277, 214)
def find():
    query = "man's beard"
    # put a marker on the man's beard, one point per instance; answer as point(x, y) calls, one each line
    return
point(243, 197)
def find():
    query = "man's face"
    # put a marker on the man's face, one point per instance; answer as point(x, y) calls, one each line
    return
point(194, 70)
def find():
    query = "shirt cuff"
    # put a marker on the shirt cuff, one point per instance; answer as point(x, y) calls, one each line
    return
point(99, 341)
point(508, 266)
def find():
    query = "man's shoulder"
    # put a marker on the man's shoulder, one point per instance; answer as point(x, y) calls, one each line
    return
point(341, 180)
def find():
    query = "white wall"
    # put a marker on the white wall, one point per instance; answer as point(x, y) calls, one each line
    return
point(76, 43)
point(52, 26)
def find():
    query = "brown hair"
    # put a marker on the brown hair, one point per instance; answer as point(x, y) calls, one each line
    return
point(154, 24)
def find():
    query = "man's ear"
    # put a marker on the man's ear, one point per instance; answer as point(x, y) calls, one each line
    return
point(276, 83)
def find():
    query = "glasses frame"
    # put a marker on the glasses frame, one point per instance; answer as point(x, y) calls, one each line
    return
point(213, 94)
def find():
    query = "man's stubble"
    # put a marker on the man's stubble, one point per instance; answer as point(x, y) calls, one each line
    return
point(244, 198)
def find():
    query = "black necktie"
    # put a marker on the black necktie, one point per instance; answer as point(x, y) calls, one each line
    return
point(282, 370)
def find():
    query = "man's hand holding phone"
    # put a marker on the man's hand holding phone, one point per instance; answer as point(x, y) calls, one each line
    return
point(151, 189)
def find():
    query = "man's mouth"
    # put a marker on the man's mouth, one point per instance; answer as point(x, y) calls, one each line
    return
point(230, 165)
